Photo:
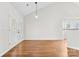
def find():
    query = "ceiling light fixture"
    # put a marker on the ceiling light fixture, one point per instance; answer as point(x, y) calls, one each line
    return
point(27, 4)
point(36, 15)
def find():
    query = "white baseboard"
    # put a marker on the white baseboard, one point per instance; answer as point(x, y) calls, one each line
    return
point(73, 47)
point(44, 39)
point(11, 47)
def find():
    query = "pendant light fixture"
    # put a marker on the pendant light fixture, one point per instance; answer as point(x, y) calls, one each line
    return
point(27, 4)
point(36, 13)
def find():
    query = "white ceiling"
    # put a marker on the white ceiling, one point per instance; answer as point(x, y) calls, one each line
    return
point(77, 3)
point(23, 9)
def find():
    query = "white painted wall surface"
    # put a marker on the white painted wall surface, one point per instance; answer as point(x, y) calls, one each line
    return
point(71, 13)
point(7, 11)
point(4, 12)
point(73, 38)
point(47, 26)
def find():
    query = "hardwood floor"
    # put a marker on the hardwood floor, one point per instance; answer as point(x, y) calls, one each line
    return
point(73, 52)
point(39, 48)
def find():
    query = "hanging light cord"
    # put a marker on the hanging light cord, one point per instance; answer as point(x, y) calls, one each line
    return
point(36, 8)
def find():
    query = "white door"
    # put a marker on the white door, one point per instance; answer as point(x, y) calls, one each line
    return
point(12, 30)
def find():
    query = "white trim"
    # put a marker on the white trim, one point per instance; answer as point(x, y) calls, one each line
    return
point(73, 47)
point(11, 47)
point(44, 38)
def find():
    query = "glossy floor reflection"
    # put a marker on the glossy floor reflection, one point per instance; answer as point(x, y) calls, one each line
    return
point(39, 48)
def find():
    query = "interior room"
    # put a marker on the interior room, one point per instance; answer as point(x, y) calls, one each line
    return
point(39, 29)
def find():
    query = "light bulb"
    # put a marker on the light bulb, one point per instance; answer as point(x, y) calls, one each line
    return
point(36, 16)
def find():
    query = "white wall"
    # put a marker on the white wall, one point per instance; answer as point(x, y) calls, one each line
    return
point(47, 26)
point(71, 14)
point(72, 35)
point(3, 26)
point(8, 12)
point(73, 38)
